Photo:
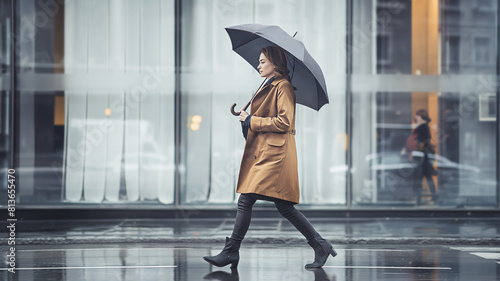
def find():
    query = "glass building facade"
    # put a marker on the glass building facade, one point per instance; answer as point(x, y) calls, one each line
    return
point(126, 102)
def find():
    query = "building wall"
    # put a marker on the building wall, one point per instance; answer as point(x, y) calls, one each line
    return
point(127, 102)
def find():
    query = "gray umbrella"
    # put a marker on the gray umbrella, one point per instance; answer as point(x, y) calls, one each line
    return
point(305, 73)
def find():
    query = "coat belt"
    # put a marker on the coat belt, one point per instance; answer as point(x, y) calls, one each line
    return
point(291, 132)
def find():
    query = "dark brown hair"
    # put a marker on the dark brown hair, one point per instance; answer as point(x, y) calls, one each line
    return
point(424, 114)
point(277, 56)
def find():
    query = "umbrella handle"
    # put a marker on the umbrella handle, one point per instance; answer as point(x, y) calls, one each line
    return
point(248, 104)
point(232, 110)
point(244, 108)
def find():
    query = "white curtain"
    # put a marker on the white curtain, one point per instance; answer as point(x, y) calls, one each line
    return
point(120, 127)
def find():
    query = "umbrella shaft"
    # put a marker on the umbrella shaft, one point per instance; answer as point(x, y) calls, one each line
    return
point(258, 89)
point(248, 104)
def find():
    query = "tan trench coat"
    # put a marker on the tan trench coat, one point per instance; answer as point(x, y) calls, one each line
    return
point(269, 164)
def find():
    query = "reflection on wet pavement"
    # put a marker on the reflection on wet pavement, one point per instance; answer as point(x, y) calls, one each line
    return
point(258, 262)
point(341, 231)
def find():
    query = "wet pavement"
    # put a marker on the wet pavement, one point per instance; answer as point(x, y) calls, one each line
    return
point(172, 249)
point(482, 231)
point(152, 261)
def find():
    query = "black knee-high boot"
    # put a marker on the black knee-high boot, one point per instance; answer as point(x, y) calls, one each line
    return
point(322, 249)
point(229, 255)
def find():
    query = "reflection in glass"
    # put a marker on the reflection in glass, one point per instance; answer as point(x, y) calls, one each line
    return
point(445, 37)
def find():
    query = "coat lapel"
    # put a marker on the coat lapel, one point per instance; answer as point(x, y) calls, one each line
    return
point(261, 95)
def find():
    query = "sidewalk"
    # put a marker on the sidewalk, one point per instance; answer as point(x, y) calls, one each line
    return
point(427, 231)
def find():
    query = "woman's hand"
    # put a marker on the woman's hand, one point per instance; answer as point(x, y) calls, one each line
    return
point(243, 115)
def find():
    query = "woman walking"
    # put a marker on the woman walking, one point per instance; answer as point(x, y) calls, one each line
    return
point(420, 141)
point(269, 166)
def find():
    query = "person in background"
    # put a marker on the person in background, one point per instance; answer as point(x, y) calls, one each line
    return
point(418, 147)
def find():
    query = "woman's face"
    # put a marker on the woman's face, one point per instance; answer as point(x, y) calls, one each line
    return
point(418, 119)
point(266, 68)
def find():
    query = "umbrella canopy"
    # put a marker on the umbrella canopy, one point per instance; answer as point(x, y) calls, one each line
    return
point(305, 73)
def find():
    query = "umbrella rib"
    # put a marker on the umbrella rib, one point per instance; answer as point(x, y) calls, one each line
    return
point(242, 45)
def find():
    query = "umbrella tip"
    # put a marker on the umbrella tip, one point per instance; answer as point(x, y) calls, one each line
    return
point(295, 34)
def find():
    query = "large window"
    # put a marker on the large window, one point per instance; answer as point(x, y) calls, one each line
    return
point(441, 57)
point(214, 77)
point(96, 99)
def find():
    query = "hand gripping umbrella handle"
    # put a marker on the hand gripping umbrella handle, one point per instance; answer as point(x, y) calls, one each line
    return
point(234, 112)
point(248, 104)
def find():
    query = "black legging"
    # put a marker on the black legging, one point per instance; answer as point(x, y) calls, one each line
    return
point(423, 170)
point(285, 208)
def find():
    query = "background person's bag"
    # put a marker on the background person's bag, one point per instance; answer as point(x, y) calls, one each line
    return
point(411, 144)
